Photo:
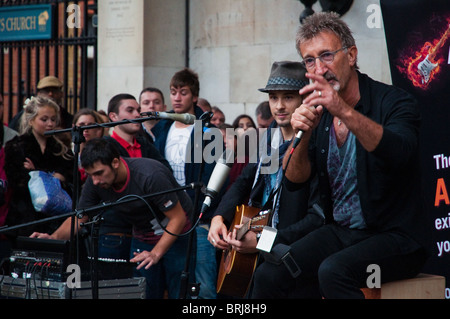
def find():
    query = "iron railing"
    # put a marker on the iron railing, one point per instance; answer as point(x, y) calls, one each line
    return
point(71, 55)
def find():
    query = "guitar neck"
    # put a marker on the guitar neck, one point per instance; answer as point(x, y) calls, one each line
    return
point(252, 224)
point(243, 230)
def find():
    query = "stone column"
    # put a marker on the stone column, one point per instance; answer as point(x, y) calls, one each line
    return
point(140, 43)
point(120, 48)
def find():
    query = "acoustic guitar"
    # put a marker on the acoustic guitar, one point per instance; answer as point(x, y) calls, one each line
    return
point(236, 269)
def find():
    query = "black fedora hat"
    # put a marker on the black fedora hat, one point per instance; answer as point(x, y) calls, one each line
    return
point(286, 76)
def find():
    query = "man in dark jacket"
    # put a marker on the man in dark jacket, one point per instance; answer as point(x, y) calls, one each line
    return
point(362, 141)
point(292, 212)
point(180, 144)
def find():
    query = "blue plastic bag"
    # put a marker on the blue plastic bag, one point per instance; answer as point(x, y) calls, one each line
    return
point(47, 195)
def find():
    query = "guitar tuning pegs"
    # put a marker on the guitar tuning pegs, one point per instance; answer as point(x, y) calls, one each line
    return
point(265, 212)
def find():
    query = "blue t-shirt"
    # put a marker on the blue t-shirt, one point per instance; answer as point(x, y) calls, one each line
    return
point(343, 182)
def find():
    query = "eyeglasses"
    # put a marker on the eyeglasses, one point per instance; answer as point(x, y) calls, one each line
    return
point(326, 57)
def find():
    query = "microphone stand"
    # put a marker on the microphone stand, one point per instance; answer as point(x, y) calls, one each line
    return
point(194, 288)
point(94, 263)
point(79, 213)
point(77, 139)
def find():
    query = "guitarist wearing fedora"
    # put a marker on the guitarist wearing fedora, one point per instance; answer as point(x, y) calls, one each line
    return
point(262, 190)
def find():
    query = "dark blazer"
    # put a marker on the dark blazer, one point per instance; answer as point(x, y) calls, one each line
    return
point(191, 169)
point(21, 209)
point(297, 217)
point(389, 177)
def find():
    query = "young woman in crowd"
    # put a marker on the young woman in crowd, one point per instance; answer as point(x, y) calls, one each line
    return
point(87, 117)
point(33, 150)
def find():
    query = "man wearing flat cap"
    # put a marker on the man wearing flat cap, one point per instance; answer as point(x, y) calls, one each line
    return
point(51, 87)
point(265, 189)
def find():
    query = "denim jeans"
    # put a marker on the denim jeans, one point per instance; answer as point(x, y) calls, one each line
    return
point(116, 248)
point(166, 274)
point(206, 265)
point(333, 262)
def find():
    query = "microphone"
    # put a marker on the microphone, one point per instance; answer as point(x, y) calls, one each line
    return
point(299, 135)
point(218, 178)
point(297, 139)
point(184, 118)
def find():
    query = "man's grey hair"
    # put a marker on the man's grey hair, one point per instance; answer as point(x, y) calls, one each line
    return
point(324, 22)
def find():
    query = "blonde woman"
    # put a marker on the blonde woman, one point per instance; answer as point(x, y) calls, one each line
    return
point(33, 150)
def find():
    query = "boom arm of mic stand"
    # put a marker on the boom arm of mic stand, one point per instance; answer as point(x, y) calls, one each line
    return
point(102, 125)
point(81, 212)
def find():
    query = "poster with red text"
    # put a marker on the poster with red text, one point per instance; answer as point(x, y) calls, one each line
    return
point(418, 41)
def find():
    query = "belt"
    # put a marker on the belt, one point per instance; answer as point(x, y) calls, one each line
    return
point(118, 235)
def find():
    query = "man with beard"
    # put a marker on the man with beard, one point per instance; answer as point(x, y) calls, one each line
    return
point(265, 188)
point(158, 222)
point(116, 231)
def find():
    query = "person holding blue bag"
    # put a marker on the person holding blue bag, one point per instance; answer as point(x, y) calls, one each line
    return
point(33, 151)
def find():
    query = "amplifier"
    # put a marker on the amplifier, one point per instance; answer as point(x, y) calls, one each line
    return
point(18, 288)
point(37, 265)
point(40, 259)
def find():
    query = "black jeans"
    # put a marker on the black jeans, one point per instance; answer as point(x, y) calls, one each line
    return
point(333, 262)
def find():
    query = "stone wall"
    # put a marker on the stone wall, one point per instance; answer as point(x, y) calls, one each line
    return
point(232, 45)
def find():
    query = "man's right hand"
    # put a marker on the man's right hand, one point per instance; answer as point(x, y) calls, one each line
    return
point(41, 236)
point(217, 231)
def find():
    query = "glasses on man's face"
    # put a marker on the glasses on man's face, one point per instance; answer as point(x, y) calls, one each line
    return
point(326, 57)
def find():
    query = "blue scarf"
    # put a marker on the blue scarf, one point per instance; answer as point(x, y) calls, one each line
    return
point(272, 182)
